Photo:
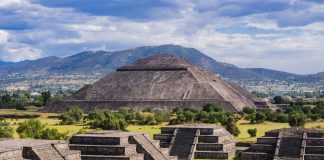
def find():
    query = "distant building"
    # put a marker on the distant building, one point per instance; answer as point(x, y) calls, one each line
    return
point(264, 104)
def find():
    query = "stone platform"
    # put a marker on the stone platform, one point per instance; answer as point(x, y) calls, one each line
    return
point(288, 143)
point(116, 145)
point(22, 149)
point(197, 141)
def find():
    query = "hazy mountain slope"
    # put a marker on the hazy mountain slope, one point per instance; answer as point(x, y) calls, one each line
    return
point(3, 63)
point(285, 76)
point(105, 62)
point(273, 74)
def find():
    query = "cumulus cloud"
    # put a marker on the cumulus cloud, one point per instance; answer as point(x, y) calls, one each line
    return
point(247, 33)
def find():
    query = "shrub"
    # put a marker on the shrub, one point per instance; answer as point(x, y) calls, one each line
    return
point(283, 118)
point(248, 110)
point(209, 107)
point(6, 131)
point(52, 134)
point(230, 125)
point(30, 129)
point(161, 116)
point(108, 121)
point(72, 116)
point(252, 132)
point(260, 117)
point(296, 119)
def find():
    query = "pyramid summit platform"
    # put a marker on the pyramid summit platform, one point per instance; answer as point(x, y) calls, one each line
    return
point(162, 81)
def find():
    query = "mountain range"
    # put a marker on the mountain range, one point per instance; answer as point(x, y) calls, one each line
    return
point(104, 62)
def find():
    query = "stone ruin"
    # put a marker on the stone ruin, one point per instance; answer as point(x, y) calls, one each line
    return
point(163, 82)
point(287, 144)
point(23, 149)
point(116, 145)
point(175, 142)
point(197, 142)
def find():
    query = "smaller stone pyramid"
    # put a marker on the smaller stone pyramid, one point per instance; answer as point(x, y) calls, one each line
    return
point(117, 145)
point(288, 144)
point(197, 141)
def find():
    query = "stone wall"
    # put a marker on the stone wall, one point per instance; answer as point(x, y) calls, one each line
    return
point(167, 105)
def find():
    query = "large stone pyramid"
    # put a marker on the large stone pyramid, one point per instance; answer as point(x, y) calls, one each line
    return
point(162, 81)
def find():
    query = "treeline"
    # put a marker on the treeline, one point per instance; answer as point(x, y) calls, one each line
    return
point(296, 115)
point(107, 120)
point(21, 99)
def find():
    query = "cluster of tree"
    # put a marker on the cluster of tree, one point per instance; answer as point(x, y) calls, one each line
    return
point(33, 128)
point(209, 114)
point(295, 118)
point(106, 120)
point(74, 115)
point(146, 117)
point(20, 100)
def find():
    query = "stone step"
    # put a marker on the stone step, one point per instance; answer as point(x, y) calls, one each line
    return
point(164, 145)
point(215, 146)
point(110, 157)
point(314, 150)
point(263, 148)
point(129, 149)
point(254, 156)
point(79, 139)
point(313, 156)
point(45, 152)
point(213, 155)
point(163, 137)
point(267, 140)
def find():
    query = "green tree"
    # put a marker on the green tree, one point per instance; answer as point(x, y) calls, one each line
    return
point(72, 116)
point(297, 119)
point(6, 131)
point(260, 117)
point(31, 128)
point(230, 125)
point(252, 132)
point(248, 110)
point(52, 134)
point(108, 122)
point(46, 97)
point(209, 107)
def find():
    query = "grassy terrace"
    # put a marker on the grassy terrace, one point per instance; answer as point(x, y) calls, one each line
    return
point(71, 129)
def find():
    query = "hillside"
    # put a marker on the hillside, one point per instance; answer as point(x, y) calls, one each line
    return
point(105, 62)
point(86, 67)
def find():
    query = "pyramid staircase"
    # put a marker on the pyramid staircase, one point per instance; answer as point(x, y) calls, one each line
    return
point(287, 144)
point(197, 142)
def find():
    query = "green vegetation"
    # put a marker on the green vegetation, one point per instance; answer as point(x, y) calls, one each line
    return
point(74, 115)
point(106, 120)
point(33, 128)
point(252, 132)
point(6, 131)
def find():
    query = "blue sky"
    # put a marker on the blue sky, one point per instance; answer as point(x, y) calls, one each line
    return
point(286, 35)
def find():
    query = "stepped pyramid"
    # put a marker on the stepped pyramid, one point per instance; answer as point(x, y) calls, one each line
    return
point(197, 142)
point(116, 145)
point(23, 149)
point(288, 144)
point(162, 81)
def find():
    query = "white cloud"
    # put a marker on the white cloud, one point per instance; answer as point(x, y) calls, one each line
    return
point(260, 42)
